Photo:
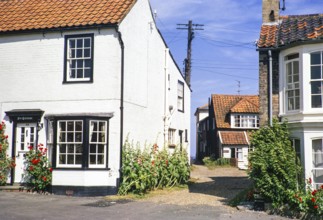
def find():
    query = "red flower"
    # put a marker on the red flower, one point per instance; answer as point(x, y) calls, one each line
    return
point(310, 181)
point(31, 168)
point(153, 162)
point(313, 199)
point(44, 178)
point(35, 161)
point(321, 186)
point(50, 169)
point(41, 149)
point(314, 192)
point(316, 207)
point(166, 162)
point(30, 147)
point(0, 126)
point(300, 199)
point(6, 136)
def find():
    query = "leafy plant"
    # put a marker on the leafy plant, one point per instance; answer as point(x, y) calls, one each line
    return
point(6, 163)
point(273, 164)
point(152, 168)
point(309, 201)
point(211, 162)
point(38, 171)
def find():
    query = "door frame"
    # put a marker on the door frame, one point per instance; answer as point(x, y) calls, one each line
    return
point(22, 116)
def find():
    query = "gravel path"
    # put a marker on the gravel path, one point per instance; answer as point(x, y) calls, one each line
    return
point(212, 187)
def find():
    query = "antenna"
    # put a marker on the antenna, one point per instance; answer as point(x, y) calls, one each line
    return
point(284, 6)
point(239, 86)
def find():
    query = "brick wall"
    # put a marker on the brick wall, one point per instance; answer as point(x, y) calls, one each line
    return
point(267, 7)
point(264, 86)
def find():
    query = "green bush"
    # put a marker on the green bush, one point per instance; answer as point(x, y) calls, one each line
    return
point(38, 171)
point(6, 163)
point(152, 168)
point(212, 162)
point(273, 165)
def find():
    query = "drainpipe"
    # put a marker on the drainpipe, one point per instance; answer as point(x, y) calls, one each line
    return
point(270, 88)
point(166, 97)
point(121, 100)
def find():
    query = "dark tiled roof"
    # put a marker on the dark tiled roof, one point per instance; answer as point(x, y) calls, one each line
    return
point(20, 15)
point(233, 138)
point(291, 29)
point(225, 104)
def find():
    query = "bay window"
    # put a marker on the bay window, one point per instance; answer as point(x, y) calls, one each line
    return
point(79, 142)
point(317, 162)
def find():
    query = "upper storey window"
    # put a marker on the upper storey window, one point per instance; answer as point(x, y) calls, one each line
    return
point(78, 58)
point(316, 79)
point(292, 82)
point(246, 121)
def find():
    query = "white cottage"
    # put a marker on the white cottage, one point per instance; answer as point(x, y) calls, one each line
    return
point(82, 76)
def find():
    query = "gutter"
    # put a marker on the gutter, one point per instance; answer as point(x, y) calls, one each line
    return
point(121, 100)
point(270, 110)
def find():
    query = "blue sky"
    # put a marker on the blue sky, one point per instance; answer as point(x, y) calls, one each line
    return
point(224, 54)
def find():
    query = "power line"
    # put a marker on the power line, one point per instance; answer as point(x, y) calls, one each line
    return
point(190, 27)
point(225, 74)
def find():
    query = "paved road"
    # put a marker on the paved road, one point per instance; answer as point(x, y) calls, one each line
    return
point(25, 206)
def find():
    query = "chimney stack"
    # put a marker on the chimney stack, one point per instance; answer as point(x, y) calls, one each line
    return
point(270, 11)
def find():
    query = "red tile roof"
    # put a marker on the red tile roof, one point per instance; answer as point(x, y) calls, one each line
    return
point(291, 29)
point(225, 104)
point(233, 138)
point(21, 15)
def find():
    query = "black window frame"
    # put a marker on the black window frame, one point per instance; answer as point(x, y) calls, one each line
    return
point(85, 153)
point(183, 98)
point(67, 37)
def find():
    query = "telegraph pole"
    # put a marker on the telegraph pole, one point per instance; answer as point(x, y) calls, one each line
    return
point(188, 60)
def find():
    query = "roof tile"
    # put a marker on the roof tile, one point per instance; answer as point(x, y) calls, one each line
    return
point(17, 15)
point(225, 104)
point(291, 29)
point(234, 138)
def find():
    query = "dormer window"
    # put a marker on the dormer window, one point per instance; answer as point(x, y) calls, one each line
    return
point(245, 121)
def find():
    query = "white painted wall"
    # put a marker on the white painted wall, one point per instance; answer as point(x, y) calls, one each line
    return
point(32, 67)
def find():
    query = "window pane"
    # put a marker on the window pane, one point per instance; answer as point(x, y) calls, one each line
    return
point(87, 53)
point(78, 148)
point(62, 137)
point(87, 42)
point(78, 126)
point(296, 67)
point(70, 137)
point(70, 126)
point(72, 43)
point(101, 137)
point(288, 70)
point(92, 159)
point(62, 159)
point(78, 137)
point(316, 101)
point(79, 53)
point(79, 43)
point(316, 87)
point(70, 159)
point(100, 159)
point(100, 148)
point(79, 73)
point(93, 148)
point(62, 148)
point(78, 159)
point(315, 58)
point(70, 148)
point(315, 72)
point(317, 153)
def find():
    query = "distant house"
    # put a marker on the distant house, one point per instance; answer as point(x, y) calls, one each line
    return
point(232, 118)
point(82, 76)
point(202, 131)
point(291, 81)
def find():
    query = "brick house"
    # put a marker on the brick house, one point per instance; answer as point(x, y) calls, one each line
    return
point(230, 120)
point(80, 77)
point(291, 76)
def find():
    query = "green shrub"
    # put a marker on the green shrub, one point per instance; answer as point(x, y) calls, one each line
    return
point(212, 162)
point(6, 163)
point(38, 171)
point(273, 165)
point(152, 168)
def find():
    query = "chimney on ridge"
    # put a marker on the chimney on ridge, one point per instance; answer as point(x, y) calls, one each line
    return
point(270, 11)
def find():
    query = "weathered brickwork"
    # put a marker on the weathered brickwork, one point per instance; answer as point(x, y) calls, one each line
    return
point(267, 7)
point(264, 86)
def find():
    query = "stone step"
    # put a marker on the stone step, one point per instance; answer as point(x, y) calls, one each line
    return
point(11, 188)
